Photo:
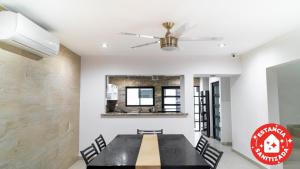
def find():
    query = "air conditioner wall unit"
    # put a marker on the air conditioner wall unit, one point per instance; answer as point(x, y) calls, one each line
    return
point(19, 31)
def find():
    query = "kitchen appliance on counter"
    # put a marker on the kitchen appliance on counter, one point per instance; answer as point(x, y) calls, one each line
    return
point(112, 97)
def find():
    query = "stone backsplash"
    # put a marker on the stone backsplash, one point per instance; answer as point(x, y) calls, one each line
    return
point(39, 109)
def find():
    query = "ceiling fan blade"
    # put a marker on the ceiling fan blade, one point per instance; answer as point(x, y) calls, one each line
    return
point(201, 39)
point(183, 29)
point(145, 44)
point(139, 35)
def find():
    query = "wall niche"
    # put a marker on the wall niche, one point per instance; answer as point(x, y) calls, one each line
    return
point(120, 91)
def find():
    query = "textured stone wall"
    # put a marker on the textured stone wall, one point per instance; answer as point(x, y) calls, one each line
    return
point(123, 81)
point(39, 109)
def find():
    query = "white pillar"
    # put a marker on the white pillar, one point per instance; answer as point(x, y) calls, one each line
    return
point(187, 103)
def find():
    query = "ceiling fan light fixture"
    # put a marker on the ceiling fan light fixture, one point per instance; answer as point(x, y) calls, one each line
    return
point(104, 45)
point(168, 43)
point(222, 45)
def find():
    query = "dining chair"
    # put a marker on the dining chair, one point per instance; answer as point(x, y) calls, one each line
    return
point(149, 131)
point(212, 156)
point(89, 153)
point(201, 145)
point(100, 142)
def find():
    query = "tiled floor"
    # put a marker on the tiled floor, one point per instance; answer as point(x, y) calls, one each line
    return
point(78, 165)
point(294, 160)
point(230, 159)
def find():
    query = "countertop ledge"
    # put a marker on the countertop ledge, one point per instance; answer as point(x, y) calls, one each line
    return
point(157, 114)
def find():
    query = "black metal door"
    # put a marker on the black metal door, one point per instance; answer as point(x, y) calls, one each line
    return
point(216, 110)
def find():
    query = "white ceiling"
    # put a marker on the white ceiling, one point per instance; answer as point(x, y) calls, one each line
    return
point(83, 25)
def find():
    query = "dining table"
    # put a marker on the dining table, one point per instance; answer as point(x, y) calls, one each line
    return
point(161, 151)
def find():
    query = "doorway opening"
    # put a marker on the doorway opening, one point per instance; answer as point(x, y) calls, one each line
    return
point(212, 108)
point(283, 86)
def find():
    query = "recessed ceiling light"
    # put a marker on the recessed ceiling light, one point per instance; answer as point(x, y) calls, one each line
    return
point(222, 45)
point(104, 45)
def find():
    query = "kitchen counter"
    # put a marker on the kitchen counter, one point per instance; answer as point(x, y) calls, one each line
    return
point(145, 114)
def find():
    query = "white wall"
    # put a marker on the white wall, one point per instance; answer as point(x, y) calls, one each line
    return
point(273, 100)
point(289, 93)
point(93, 71)
point(204, 83)
point(283, 98)
point(225, 109)
point(249, 101)
point(288, 84)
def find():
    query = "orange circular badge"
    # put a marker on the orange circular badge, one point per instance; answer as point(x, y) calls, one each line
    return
point(271, 144)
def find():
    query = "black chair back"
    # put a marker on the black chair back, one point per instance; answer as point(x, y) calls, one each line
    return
point(89, 154)
point(212, 156)
point(149, 131)
point(100, 142)
point(201, 145)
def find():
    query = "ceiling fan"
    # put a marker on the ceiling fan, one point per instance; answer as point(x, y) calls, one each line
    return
point(170, 41)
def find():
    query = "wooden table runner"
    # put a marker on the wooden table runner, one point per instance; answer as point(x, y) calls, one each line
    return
point(148, 157)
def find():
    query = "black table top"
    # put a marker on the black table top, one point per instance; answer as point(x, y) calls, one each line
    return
point(176, 152)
